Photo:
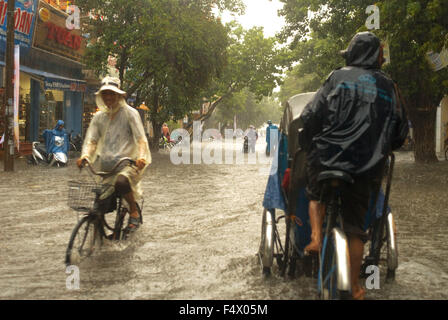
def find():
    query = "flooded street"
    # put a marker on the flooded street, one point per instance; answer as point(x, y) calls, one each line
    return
point(200, 236)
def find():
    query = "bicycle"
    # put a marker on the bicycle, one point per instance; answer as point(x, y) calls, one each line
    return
point(166, 144)
point(93, 227)
point(334, 267)
point(383, 243)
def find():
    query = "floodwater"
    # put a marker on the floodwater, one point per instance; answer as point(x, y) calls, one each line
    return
point(200, 236)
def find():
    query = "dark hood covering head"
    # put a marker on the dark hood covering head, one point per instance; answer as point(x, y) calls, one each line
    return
point(363, 51)
point(58, 124)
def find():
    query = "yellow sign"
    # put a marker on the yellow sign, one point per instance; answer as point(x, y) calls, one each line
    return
point(44, 14)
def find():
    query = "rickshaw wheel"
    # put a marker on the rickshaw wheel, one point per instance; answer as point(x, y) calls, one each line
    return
point(266, 250)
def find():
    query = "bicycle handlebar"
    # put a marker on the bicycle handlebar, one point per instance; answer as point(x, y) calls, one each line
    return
point(86, 161)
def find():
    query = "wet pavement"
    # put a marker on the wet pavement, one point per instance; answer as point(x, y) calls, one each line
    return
point(200, 236)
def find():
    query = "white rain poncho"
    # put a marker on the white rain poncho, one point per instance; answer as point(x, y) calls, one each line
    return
point(116, 134)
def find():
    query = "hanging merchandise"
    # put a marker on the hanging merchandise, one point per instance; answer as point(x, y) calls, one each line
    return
point(438, 61)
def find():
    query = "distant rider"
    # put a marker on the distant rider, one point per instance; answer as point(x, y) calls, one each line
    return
point(166, 132)
point(252, 136)
point(269, 130)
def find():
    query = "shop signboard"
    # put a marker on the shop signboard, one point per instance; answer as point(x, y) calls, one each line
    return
point(24, 23)
point(64, 84)
point(52, 34)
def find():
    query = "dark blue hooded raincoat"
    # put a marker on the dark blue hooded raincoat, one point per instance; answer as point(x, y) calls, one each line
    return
point(356, 118)
point(49, 138)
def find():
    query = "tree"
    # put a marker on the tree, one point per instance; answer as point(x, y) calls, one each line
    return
point(412, 28)
point(295, 83)
point(167, 51)
point(254, 63)
point(247, 109)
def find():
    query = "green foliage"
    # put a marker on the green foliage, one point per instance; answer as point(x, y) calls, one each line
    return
point(167, 51)
point(247, 109)
point(295, 83)
point(254, 62)
point(411, 27)
point(173, 53)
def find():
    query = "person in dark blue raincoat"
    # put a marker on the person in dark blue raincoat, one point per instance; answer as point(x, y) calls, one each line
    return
point(354, 121)
point(271, 128)
point(51, 144)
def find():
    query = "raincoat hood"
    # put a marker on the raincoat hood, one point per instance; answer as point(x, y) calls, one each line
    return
point(58, 124)
point(363, 51)
point(103, 107)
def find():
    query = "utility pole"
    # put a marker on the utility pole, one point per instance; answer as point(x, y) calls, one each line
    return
point(9, 110)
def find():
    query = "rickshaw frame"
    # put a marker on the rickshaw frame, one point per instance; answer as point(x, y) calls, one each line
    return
point(382, 228)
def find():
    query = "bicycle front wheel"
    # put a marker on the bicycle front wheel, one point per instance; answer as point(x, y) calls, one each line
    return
point(84, 239)
point(334, 271)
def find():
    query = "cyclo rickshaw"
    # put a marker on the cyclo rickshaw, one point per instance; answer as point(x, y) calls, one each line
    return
point(285, 235)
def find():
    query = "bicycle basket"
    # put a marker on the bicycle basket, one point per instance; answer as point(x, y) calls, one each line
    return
point(81, 195)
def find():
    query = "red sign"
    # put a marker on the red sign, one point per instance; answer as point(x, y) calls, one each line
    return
point(63, 36)
point(52, 35)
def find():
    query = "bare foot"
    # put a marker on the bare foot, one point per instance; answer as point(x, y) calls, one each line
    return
point(358, 294)
point(313, 247)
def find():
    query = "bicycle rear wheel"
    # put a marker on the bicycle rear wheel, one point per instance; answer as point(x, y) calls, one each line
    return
point(392, 249)
point(84, 239)
point(334, 267)
point(383, 250)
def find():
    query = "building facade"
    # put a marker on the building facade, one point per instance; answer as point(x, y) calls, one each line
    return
point(52, 85)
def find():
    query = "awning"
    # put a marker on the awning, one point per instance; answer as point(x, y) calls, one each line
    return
point(53, 81)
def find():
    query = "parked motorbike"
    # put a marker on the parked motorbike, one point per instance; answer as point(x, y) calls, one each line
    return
point(40, 156)
point(75, 142)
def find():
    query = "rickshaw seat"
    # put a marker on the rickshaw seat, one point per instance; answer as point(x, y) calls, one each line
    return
point(335, 174)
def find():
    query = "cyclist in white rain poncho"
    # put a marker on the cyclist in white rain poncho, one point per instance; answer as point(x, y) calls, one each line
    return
point(116, 132)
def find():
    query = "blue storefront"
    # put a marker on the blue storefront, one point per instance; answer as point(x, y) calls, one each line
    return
point(51, 85)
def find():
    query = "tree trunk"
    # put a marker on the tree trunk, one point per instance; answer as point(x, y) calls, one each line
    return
point(205, 116)
point(423, 122)
point(154, 141)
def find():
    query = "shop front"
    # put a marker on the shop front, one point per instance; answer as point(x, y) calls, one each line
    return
point(51, 85)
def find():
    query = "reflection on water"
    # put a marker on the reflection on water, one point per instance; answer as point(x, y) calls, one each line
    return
point(200, 236)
